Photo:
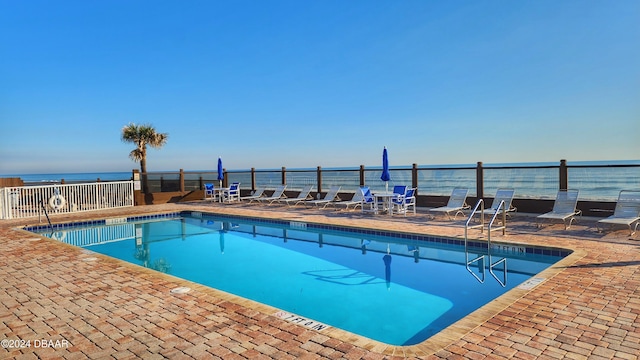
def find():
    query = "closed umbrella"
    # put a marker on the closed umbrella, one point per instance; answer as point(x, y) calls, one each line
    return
point(386, 176)
point(220, 174)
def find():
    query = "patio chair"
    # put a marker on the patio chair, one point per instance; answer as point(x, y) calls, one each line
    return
point(368, 203)
point(403, 202)
point(209, 192)
point(305, 194)
point(356, 200)
point(255, 196)
point(627, 211)
point(278, 193)
point(232, 193)
point(457, 204)
point(329, 198)
point(505, 195)
point(564, 208)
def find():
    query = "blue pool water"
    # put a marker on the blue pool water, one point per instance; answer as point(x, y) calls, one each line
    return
point(395, 289)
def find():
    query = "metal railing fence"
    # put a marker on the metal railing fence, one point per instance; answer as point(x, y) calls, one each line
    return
point(595, 182)
point(24, 201)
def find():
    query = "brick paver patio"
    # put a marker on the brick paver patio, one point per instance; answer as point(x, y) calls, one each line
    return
point(58, 301)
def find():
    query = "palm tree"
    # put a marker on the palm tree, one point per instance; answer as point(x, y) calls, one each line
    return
point(143, 135)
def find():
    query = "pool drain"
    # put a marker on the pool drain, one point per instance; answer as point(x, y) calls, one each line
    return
point(180, 290)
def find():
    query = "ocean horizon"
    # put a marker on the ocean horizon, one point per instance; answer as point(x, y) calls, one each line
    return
point(530, 180)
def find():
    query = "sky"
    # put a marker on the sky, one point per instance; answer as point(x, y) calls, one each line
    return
point(329, 83)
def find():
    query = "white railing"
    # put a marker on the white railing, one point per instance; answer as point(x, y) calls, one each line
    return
point(94, 235)
point(24, 201)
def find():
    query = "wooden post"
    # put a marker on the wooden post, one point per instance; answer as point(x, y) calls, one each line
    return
point(284, 175)
point(319, 179)
point(201, 186)
point(181, 180)
point(414, 178)
point(361, 175)
point(253, 179)
point(225, 178)
point(564, 175)
point(479, 181)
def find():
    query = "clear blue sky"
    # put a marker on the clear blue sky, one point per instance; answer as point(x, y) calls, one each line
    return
point(275, 83)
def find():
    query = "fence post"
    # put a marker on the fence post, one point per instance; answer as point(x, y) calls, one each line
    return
point(361, 175)
point(201, 186)
point(253, 179)
point(181, 180)
point(480, 181)
point(225, 178)
point(564, 175)
point(414, 178)
point(319, 179)
point(284, 175)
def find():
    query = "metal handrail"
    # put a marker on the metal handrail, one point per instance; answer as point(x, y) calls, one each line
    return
point(480, 204)
point(503, 206)
point(503, 261)
point(46, 214)
point(468, 262)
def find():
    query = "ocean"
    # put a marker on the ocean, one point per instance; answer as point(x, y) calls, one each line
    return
point(596, 180)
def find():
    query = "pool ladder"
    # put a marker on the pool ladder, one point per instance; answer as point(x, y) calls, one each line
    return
point(479, 208)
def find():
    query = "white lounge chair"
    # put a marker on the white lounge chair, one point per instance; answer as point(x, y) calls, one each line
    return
point(402, 203)
point(627, 211)
point(356, 200)
point(305, 194)
point(329, 198)
point(505, 195)
point(255, 196)
point(457, 203)
point(277, 195)
point(564, 208)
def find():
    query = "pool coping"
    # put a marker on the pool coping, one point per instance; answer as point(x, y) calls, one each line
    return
point(433, 345)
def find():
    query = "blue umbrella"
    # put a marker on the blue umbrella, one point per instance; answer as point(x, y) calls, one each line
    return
point(220, 174)
point(386, 176)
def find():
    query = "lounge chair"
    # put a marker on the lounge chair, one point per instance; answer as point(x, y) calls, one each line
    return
point(209, 192)
point(232, 193)
point(330, 197)
point(356, 200)
point(277, 195)
point(305, 194)
point(564, 208)
point(368, 202)
point(505, 195)
point(403, 202)
point(255, 196)
point(457, 203)
point(627, 211)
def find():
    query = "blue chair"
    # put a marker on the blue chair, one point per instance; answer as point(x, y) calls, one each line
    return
point(209, 192)
point(368, 201)
point(232, 193)
point(402, 203)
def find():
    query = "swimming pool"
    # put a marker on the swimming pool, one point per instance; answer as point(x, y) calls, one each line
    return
point(399, 289)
